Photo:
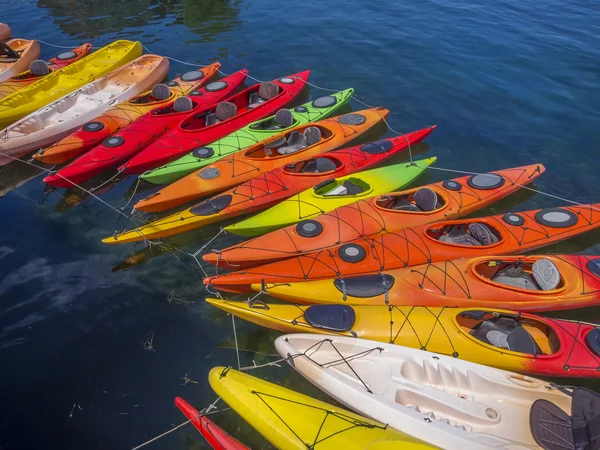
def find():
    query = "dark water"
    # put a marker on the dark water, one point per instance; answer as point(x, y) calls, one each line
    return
point(507, 82)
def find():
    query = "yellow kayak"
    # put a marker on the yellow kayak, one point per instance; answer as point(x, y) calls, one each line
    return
point(290, 420)
point(331, 194)
point(66, 80)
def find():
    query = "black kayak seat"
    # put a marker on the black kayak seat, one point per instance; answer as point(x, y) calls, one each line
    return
point(476, 234)
point(553, 429)
point(319, 165)
point(7, 54)
point(425, 200)
point(330, 317)
point(507, 333)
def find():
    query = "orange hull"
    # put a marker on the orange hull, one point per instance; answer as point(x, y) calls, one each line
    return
point(240, 167)
point(372, 216)
point(117, 118)
point(460, 282)
point(529, 230)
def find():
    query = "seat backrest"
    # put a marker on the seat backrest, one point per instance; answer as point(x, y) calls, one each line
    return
point(353, 188)
point(550, 426)
point(284, 118)
point(225, 110)
point(426, 199)
point(519, 340)
point(161, 92)
point(325, 165)
point(183, 104)
point(295, 138)
point(546, 274)
point(39, 68)
point(268, 90)
point(211, 119)
point(482, 233)
point(458, 235)
point(312, 135)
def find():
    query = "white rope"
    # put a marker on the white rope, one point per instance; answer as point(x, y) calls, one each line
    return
point(237, 349)
point(54, 45)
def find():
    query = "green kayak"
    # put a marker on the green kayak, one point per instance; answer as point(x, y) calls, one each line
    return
point(329, 195)
point(318, 109)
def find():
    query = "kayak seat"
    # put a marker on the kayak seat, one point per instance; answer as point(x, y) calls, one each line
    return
point(330, 317)
point(319, 165)
point(225, 110)
point(515, 276)
point(39, 68)
point(425, 200)
point(7, 54)
point(183, 104)
point(297, 141)
point(477, 234)
point(507, 333)
point(546, 274)
point(283, 119)
point(161, 92)
point(266, 91)
point(554, 429)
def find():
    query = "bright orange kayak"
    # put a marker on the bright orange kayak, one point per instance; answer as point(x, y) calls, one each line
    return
point(390, 212)
point(503, 234)
point(16, 55)
point(272, 153)
point(43, 69)
point(522, 283)
point(93, 133)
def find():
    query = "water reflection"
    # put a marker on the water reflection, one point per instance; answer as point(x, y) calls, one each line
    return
point(92, 19)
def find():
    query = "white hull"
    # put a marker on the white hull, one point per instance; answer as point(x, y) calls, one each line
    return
point(444, 401)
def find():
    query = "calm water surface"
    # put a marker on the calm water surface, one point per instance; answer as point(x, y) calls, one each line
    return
point(507, 82)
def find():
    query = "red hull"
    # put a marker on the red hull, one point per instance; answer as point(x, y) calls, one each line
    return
point(189, 135)
point(215, 436)
point(137, 136)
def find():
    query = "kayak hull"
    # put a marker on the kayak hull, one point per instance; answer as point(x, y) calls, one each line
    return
point(409, 247)
point(368, 217)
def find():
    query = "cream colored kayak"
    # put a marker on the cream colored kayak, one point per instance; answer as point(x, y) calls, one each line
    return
point(60, 118)
point(445, 401)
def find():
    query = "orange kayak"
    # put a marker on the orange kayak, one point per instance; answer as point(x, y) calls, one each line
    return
point(390, 212)
point(523, 283)
point(93, 133)
point(16, 55)
point(503, 234)
point(276, 151)
point(25, 78)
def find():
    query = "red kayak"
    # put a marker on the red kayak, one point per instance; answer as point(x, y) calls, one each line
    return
point(215, 436)
point(209, 124)
point(136, 136)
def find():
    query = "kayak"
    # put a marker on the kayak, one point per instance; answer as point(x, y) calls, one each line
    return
point(278, 184)
point(134, 137)
point(95, 132)
point(15, 57)
point(388, 212)
point(293, 421)
point(382, 179)
point(257, 131)
point(206, 126)
point(215, 436)
point(490, 336)
point(66, 80)
point(329, 195)
point(41, 69)
point(445, 401)
point(5, 32)
point(61, 117)
point(524, 283)
point(510, 233)
point(277, 151)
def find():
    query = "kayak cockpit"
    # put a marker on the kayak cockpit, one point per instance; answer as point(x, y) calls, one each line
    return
point(320, 165)
point(352, 186)
point(159, 93)
point(233, 107)
point(280, 121)
point(538, 274)
point(474, 234)
point(509, 332)
point(293, 142)
point(423, 200)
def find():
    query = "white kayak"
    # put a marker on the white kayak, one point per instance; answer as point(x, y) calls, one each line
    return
point(61, 117)
point(447, 402)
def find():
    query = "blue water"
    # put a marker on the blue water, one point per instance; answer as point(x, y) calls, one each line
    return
point(507, 82)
